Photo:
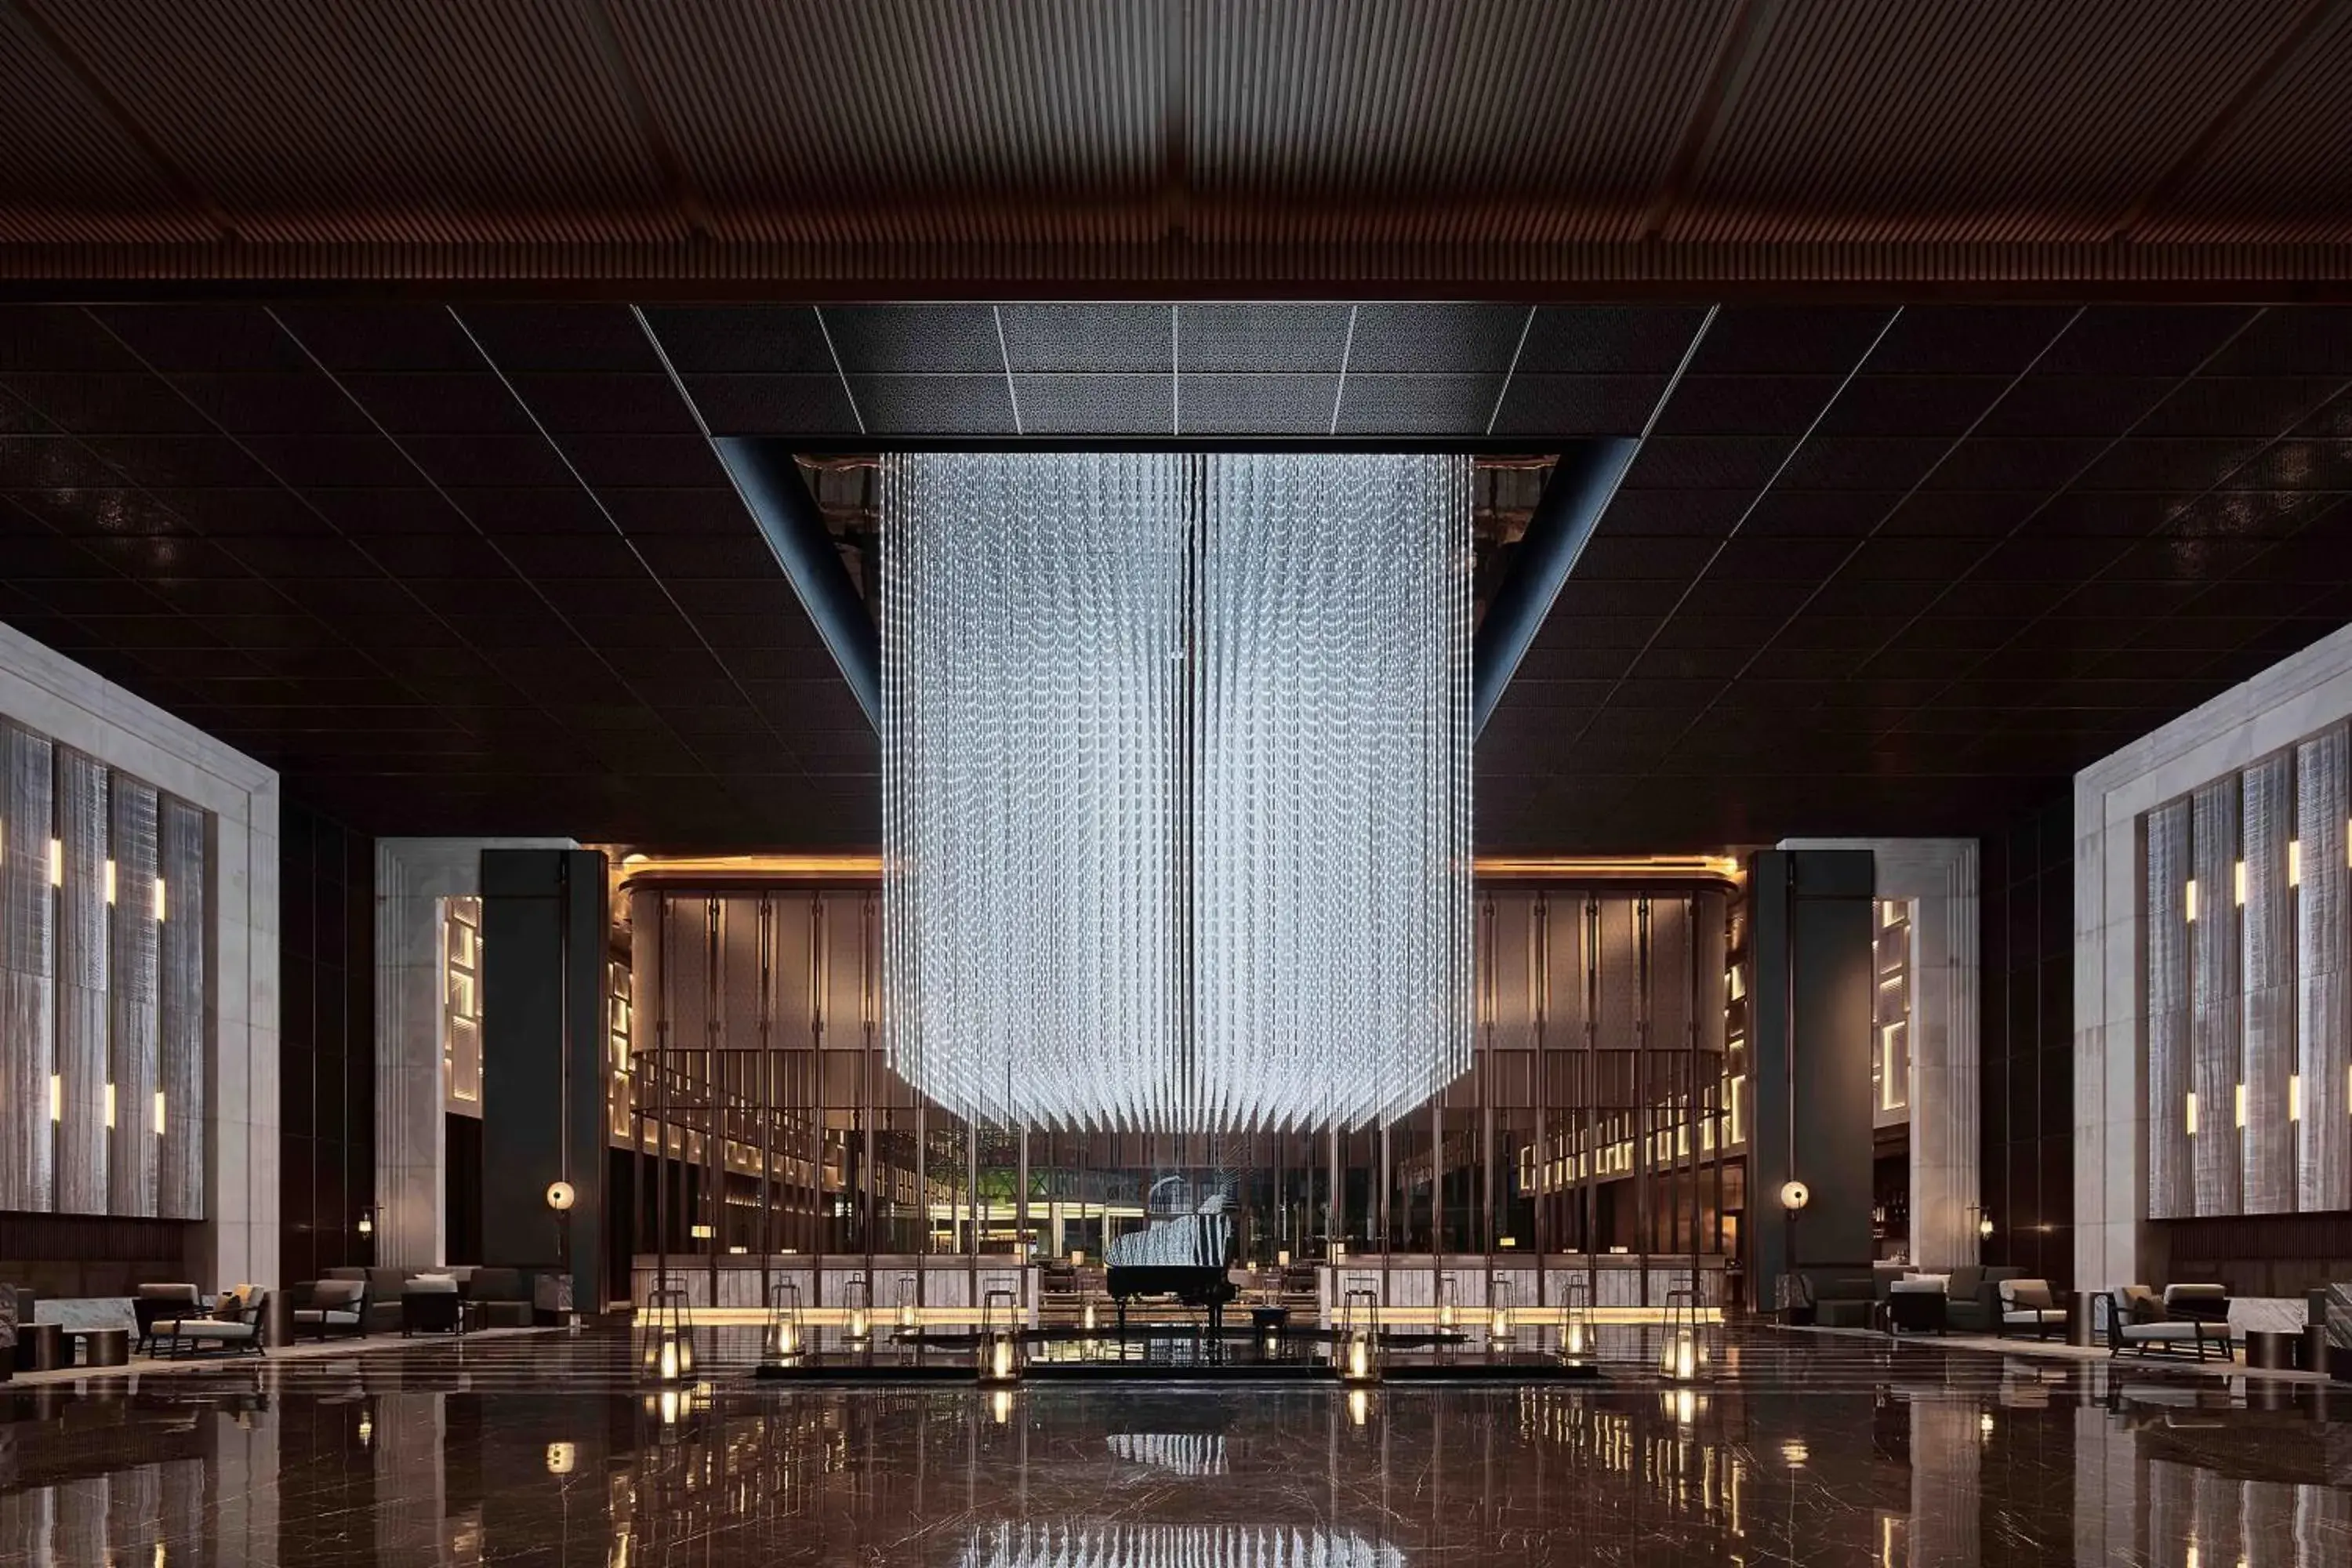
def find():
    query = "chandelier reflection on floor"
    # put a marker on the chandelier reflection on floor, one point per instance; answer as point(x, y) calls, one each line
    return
point(1177, 784)
point(1112, 1545)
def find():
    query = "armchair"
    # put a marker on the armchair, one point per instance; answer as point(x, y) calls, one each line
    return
point(235, 1322)
point(337, 1306)
point(2185, 1318)
point(2030, 1305)
point(153, 1303)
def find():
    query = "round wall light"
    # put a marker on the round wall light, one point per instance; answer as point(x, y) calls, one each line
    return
point(1795, 1195)
point(559, 1195)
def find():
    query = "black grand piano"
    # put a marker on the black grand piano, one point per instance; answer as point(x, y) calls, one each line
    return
point(1185, 1258)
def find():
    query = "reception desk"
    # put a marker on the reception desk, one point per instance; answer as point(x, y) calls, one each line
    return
point(1625, 1286)
point(943, 1289)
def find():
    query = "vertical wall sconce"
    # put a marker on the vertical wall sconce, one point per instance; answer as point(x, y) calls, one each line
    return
point(2295, 862)
point(2294, 1097)
point(159, 899)
point(2241, 1108)
point(109, 883)
point(57, 862)
point(2189, 899)
point(2238, 884)
point(109, 1108)
point(2192, 1113)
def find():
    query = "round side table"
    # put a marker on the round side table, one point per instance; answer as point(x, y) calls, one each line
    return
point(40, 1347)
point(104, 1347)
point(2272, 1349)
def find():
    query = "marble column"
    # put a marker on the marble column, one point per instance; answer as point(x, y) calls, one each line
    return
point(1939, 877)
point(414, 877)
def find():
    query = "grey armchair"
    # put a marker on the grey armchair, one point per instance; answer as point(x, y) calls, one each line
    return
point(336, 1307)
point(233, 1323)
point(2030, 1306)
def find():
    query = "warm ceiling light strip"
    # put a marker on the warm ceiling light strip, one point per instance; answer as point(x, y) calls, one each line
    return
point(854, 867)
point(1609, 868)
point(845, 868)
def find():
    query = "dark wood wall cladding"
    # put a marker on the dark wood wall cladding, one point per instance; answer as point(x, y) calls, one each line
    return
point(2260, 1255)
point(2027, 1041)
point(327, 1052)
point(90, 1255)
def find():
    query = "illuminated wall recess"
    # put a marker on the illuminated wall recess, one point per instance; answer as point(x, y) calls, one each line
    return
point(2248, 996)
point(1176, 784)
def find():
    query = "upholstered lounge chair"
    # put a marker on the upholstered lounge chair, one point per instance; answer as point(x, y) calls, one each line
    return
point(336, 1307)
point(151, 1303)
point(2030, 1306)
point(2187, 1319)
point(235, 1323)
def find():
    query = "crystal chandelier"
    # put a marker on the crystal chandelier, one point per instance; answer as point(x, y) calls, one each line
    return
point(1176, 785)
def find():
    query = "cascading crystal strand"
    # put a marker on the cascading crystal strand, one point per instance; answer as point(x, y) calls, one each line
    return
point(1177, 786)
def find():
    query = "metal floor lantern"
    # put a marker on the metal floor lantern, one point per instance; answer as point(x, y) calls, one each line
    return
point(1360, 1336)
point(1000, 1338)
point(1575, 1329)
point(1498, 1311)
point(857, 1298)
point(1448, 1312)
point(1683, 1353)
point(666, 1341)
point(785, 1333)
point(910, 1315)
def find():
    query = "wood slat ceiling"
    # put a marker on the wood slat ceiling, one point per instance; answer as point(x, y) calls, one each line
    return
point(1350, 148)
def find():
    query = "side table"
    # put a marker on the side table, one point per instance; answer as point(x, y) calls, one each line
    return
point(40, 1347)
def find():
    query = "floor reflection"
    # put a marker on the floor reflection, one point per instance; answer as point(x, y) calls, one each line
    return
point(1799, 1449)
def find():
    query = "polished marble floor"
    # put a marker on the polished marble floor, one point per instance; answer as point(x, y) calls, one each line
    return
point(1799, 1449)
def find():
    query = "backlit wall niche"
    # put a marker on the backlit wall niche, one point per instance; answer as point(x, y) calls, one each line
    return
point(102, 888)
point(2248, 1024)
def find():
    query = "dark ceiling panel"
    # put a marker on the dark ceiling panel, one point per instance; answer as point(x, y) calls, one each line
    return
point(1259, 404)
point(912, 340)
point(1418, 404)
point(1871, 572)
point(1442, 339)
point(755, 340)
point(1243, 339)
point(1095, 404)
point(348, 565)
point(1074, 339)
point(2086, 566)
